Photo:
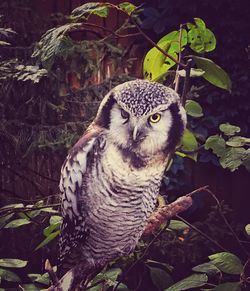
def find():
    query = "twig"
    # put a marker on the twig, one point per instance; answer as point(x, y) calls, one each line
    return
point(227, 223)
point(202, 233)
point(186, 82)
point(177, 76)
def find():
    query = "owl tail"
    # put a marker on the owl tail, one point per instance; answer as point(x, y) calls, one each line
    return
point(77, 277)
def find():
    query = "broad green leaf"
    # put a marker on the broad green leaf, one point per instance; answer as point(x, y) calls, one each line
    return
point(85, 10)
point(16, 205)
point(9, 276)
point(48, 239)
point(227, 263)
point(229, 129)
point(128, 7)
point(193, 108)
point(17, 223)
point(238, 141)
point(43, 279)
point(213, 73)
point(233, 158)
point(55, 219)
point(12, 263)
point(160, 278)
point(207, 268)
point(247, 228)
point(189, 143)
point(192, 281)
point(217, 144)
point(49, 229)
point(112, 274)
point(200, 23)
point(193, 73)
point(177, 225)
point(229, 286)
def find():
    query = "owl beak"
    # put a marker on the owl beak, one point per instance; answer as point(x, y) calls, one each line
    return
point(136, 133)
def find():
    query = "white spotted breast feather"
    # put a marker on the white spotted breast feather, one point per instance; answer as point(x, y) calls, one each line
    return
point(73, 228)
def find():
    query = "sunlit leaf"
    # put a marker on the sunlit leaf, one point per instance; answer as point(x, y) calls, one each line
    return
point(213, 73)
point(12, 263)
point(9, 276)
point(193, 281)
point(193, 108)
point(17, 223)
point(15, 205)
point(227, 263)
point(247, 228)
point(229, 129)
point(128, 7)
point(238, 141)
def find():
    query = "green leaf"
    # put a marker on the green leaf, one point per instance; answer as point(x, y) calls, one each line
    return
point(227, 263)
point(177, 225)
point(234, 157)
point(43, 279)
point(193, 73)
point(192, 281)
point(160, 278)
point(217, 144)
point(229, 286)
point(247, 228)
point(55, 219)
point(48, 239)
point(17, 223)
point(189, 143)
point(49, 229)
point(238, 141)
point(207, 268)
point(85, 10)
point(9, 276)
point(229, 129)
point(200, 23)
point(193, 108)
point(12, 263)
point(15, 205)
point(213, 73)
point(4, 219)
point(112, 274)
point(127, 7)
point(30, 287)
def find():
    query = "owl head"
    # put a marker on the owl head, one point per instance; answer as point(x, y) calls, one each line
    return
point(142, 117)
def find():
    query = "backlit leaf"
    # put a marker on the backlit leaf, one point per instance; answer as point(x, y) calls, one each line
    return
point(217, 144)
point(247, 228)
point(128, 7)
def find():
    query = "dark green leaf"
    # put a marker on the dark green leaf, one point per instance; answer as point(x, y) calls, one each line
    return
point(12, 263)
point(15, 205)
point(189, 143)
point(238, 141)
point(17, 223)
point(43, 279)
point(227, 263)
point(9, 276)
point(229, 129)
point(230, 286)
point(48, 239)
point(30, 287)
point(193, 108)
point(217, 144)
point(49, 229)
point(192, 281)
point(213, 73)
point(160, 278)
point(128, 7)
point(207, 268)
point(4, 219)
point(234, 157)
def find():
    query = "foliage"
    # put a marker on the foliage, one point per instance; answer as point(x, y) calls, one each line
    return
point(56, 89)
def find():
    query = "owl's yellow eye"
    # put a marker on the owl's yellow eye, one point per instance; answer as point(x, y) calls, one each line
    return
point(154, 118)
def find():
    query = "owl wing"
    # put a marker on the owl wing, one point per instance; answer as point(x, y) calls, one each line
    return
point(73, 229)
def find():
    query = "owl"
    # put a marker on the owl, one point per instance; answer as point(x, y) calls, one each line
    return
point(111, 177)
